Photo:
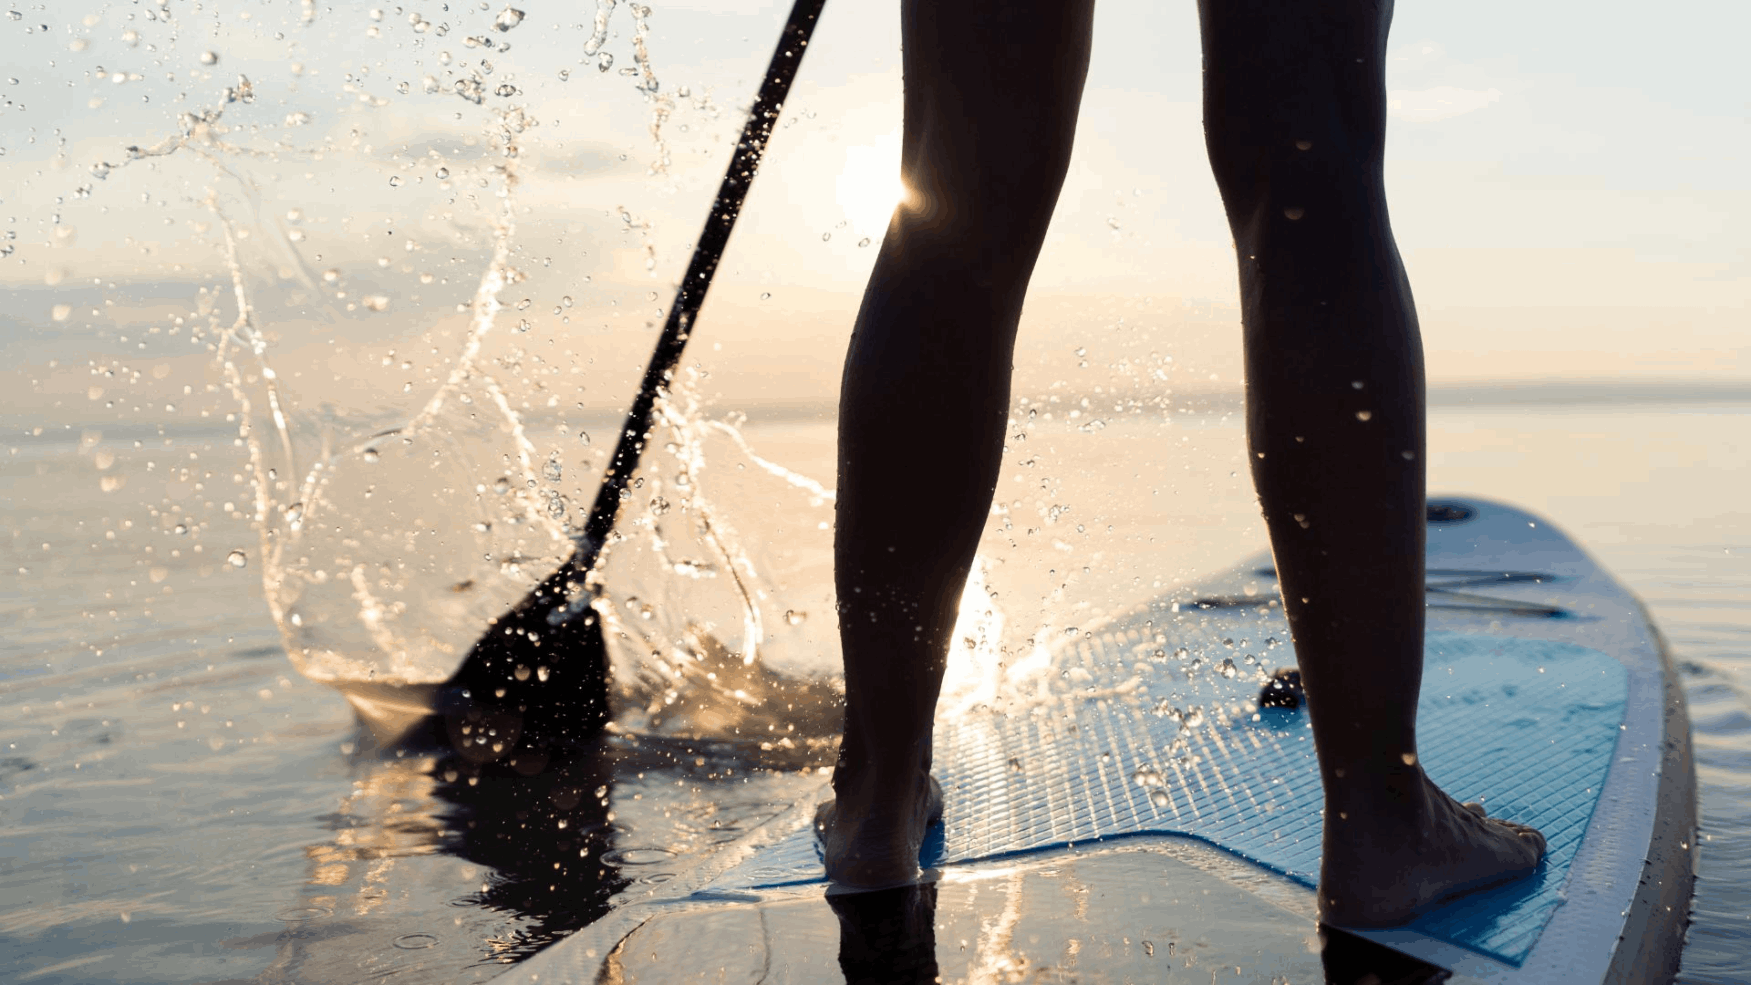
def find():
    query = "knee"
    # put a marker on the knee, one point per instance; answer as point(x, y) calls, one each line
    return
point(1293, 105)
point(983, 206)
point(1297, 171)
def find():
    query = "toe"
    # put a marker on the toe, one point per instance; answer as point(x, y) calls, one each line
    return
point(1535, 836)
point(1527, 835)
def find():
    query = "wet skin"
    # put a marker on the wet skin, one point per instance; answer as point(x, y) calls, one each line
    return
point(1294, 109)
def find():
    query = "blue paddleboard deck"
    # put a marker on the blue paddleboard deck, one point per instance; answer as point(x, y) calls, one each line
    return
point(1527, 726)
point(1546, 695)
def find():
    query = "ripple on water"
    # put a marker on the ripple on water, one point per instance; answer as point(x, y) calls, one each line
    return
point(637, 856)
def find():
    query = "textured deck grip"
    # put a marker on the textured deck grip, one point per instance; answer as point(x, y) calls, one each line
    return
point(1527, 726)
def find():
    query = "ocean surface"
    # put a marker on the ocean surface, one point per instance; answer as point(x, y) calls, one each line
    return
point(178, 803)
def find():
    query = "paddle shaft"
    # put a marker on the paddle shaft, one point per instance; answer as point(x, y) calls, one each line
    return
point(750, 150)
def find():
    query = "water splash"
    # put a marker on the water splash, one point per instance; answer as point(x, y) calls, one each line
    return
point(719, 647)
point(398, 512)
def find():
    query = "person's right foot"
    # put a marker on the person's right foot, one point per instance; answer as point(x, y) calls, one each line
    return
point(1387, 865)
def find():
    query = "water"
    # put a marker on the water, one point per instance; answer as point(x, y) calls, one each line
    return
point(182, 806)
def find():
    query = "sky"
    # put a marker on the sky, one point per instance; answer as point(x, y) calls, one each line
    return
point(1568, 185)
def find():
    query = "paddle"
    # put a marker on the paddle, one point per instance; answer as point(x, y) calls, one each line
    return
point(539, 676)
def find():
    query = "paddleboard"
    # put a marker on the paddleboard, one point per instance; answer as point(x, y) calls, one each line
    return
point(1145, 816)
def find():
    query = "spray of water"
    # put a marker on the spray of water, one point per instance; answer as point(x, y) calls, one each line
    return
point(387, 545)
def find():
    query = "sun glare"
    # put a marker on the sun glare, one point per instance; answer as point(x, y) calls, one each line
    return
point(869, 186)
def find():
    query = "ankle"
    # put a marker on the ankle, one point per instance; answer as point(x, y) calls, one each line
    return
point(882, 760)
point(1390, 790)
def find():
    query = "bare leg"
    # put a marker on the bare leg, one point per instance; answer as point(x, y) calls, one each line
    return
point(1295, 116)
point(992, 90)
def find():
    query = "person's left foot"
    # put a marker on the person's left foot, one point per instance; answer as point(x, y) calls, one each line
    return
point(870, 835)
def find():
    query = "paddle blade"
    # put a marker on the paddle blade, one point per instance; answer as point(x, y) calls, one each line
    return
point(532, 681)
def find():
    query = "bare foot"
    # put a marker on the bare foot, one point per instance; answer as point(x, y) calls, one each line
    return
point(871, 840)
point(1387, 865)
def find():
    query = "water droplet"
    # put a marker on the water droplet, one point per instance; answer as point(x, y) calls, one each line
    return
point(553, 470)
point(1364, 415)
point(863, 242)
point(1303, 145)
point(521, 673)
point(1160, 798)
point(1294, 212)
point(1147, 777)
point(584, 437)
point(209, 58)
point(765, 295)
point(1228, 669)
point(237, 559)
point(542, 673)
point(395, 181)
point(795, 617)
point(371, 455)
point(501, 485)
point(508, 18)
point(441, 173)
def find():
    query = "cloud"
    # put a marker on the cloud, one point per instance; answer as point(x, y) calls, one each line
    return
point(1439, 103)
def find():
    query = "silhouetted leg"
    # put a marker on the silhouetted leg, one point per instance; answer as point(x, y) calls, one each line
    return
point(991, 97)
point(1295, 119)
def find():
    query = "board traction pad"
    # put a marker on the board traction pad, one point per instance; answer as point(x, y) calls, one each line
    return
point(1527, 726)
